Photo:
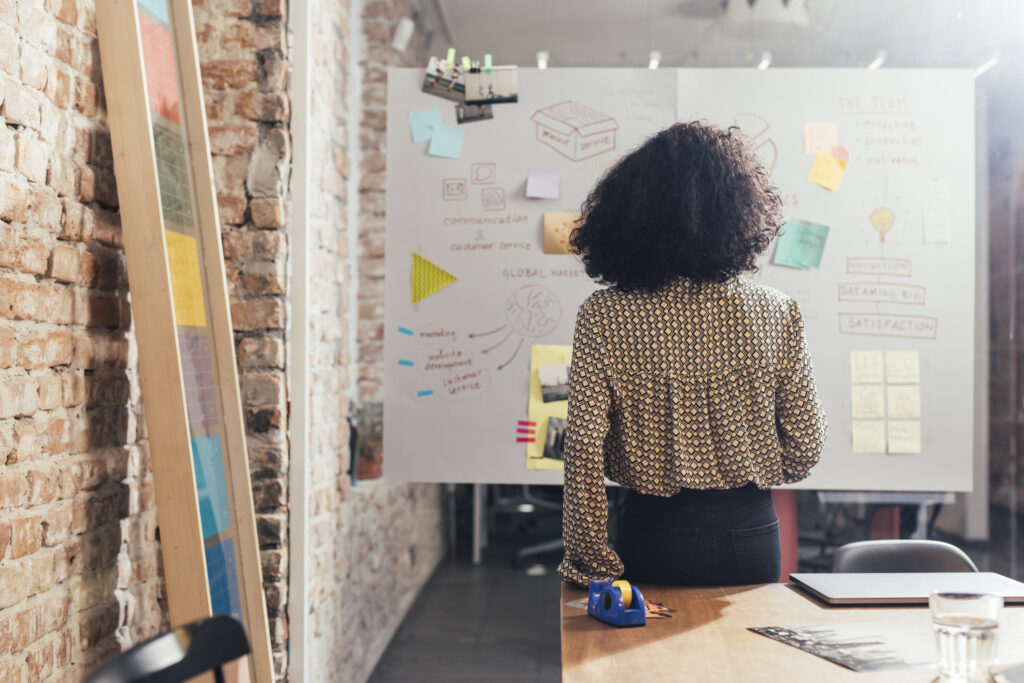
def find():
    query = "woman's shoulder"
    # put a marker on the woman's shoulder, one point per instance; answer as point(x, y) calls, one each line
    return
point(761, 294)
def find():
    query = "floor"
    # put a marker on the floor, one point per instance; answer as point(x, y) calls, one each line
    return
point(491, 622)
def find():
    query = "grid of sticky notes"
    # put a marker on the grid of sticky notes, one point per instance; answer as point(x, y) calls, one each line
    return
point(885, 402)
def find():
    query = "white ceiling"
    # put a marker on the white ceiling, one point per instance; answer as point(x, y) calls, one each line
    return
point(840, 33)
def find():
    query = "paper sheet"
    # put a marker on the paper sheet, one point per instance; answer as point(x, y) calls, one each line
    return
point(543, 183)
point(423, 122)
point(867, 367)
point(867, 401)
point(820, 137)
point(827, 171)
point(186, 280)
point(446, 142)
point(904, 401)
point(543, 355)
point(557, 228)
point(904, 436)
point(868, 436)
point(428, 278)
point(902, 367)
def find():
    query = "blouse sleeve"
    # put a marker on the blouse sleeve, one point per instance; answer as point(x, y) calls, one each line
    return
point(799, 416)
point(585, 501)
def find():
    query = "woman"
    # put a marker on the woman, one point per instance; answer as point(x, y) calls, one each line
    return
point(689, 386)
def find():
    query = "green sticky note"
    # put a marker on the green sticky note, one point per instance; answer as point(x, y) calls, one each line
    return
point(422, 123)
point(487, 63)
point(446, 142)
point(801, 245)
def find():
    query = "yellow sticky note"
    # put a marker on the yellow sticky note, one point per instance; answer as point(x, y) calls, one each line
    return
point(904, 401)
point(867, 367)
point(428, 278)
point(557, 228)
point(868, 436)
point(904, 436)
point(827, 171)
point(902, 367)
point(543, 355)
point(186, 279)
point(867, 400)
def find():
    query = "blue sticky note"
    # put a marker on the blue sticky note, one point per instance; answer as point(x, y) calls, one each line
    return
point(222, 575)
point(423, 122)
point(801, 245)
point(158, 8)
point(446, 142)
point(543, 183)
point(211, 485)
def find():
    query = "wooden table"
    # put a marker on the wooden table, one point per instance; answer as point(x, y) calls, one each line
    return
point(708, 640)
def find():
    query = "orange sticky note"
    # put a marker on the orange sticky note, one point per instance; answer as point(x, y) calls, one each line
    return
point(827, 171)
point(557, 228)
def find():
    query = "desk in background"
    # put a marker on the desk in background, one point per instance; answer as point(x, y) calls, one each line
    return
point(708, 640)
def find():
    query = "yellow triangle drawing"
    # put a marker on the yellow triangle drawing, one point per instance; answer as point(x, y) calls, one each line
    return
point(427, 278)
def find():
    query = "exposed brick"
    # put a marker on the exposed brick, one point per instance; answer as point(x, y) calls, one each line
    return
point(14, 579)
point(261, 106)
point(26, 535)
point(64, 263)
point(31, 158)
point(20, 107)
point(8, 347)
point(261, 352)
point(257, 315)
point(5, 540)
point(229, 140)
point(267, 212)
point(231, 208)
point(8, 49)
point(229, 73)
point(19, 396)
point(49, 385)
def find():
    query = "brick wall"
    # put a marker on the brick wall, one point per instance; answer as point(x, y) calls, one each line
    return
point(79, 574)
point(244, 55)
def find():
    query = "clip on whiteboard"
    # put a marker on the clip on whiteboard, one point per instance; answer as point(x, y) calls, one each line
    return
point(617, 603)
point(451, 57)
point(488, 63)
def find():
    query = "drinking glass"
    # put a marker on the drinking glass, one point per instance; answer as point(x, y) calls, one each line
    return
point(966, 626)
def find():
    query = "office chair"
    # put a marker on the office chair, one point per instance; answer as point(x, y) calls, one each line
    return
point(179, 654)
point(901, 556)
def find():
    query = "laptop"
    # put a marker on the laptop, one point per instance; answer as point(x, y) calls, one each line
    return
point(906, 588)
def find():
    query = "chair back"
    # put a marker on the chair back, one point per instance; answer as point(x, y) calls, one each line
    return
point(179, 654)
point(901, 556)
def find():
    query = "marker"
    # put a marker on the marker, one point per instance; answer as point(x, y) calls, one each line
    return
point(425, 392)
point(405, 330)
point(487, 63)
point(406, 362)
point(451, 57)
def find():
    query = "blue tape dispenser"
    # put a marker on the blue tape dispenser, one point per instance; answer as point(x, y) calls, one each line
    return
point(617, 603)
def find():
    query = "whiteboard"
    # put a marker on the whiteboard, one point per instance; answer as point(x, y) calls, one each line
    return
point(909, 134)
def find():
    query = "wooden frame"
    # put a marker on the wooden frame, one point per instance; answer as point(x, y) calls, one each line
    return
point(182, 317)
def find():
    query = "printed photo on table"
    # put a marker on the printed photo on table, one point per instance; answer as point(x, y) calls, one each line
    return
point(499, 86)
point(445, 81)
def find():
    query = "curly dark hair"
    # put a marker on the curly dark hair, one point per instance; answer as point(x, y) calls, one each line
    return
point(693, 201)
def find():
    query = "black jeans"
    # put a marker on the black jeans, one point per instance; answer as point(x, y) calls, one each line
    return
point(700, 538)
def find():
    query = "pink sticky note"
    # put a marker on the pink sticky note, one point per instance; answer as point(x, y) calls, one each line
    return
point(840, 152)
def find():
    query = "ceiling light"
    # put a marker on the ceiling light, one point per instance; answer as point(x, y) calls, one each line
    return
point(986, 66)
point(655, 60)
point(403, 32)
point(542, 59)
point(766, 60)
point(878, 61)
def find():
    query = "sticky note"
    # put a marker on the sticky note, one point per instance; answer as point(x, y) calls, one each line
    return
point(868, 436)
point(841, 153)
point(543, 183)
point(446, 141)
point(827, 171)
point(904, 401)
point(801, 245)
point(867, 400)
point(904, 436)
point(557, 228)
point(428, 278)
point(211, 485)
point(867, 367)
point(820, 137)
point(902, 367)
point(186, 281)
point(423, 122)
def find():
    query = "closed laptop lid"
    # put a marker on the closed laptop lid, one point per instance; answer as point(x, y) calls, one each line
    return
point(908, 588)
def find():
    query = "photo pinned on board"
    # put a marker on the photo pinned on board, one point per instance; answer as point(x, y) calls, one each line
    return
point(499, 86)
point(554, 382)
point(468, 113)
point(444, 80)
point(554, 441)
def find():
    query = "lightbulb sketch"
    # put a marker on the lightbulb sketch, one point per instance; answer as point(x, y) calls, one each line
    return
point(881, 220)
point(531, 311)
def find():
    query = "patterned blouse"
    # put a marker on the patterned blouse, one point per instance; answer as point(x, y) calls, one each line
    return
point(698, 385)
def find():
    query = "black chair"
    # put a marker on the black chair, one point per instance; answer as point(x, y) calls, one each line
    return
point(179, 654)
point(901, 556)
